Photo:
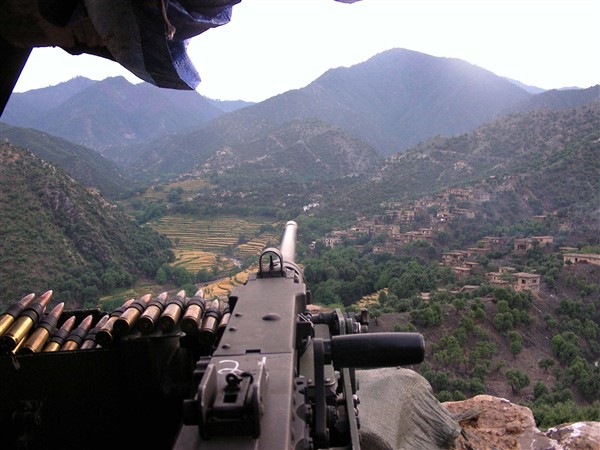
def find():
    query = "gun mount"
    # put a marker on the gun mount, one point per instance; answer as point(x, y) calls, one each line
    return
point(254, 370)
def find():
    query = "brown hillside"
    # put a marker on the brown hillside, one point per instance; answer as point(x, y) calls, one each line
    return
point(536, 337)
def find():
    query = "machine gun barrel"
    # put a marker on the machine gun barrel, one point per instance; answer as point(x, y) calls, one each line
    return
point(258, 369)
point(288, 242)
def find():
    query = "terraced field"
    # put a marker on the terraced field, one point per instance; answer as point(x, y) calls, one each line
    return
point(253, 247)
point(190, 188)
point(224, 287)
point(202, 243)
point(194, 260)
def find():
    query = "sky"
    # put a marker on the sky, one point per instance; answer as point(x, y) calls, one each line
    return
point(273, 46)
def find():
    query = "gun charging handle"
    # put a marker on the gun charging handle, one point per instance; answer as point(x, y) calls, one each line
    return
point(364, 351)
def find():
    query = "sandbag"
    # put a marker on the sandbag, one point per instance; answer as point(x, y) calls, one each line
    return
point(398, 411)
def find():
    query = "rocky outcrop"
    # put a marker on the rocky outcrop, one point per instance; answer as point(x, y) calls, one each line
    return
point(579, 435)
point(495, 423)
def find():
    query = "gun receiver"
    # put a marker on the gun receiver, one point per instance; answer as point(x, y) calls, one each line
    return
point(280, 377)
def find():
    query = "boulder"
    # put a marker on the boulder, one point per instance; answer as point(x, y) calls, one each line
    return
point(495, 423)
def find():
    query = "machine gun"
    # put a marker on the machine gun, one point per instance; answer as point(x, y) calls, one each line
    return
point(258, 370)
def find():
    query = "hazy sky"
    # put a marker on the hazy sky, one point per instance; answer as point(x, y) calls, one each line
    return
point(272, 46)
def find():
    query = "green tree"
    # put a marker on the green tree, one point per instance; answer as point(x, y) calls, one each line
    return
point(516, 342)
point(503, 321)
point(539, 390)
point(449, 352)
point(203, 276)
point(565, 347)
point(517, 380)
point(161, 276)
point(545, 364)
point(460, 304)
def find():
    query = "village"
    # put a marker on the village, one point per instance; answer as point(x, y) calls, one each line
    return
point(397, 228)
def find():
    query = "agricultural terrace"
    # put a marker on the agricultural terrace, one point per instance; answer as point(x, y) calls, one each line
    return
point(219, 288)
point(202, 243)
point(190, 187)
point(225, 286)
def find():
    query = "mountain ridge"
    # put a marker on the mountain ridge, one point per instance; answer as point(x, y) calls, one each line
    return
point(392, 101)
point(83, 164)
point(344, 105)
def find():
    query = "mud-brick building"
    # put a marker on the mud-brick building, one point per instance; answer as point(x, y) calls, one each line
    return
point(582, 258)
point(502, 277)
point(527, 282)
point(461, 272)
point(492, 242)
point(524, 244)
point(454, 258)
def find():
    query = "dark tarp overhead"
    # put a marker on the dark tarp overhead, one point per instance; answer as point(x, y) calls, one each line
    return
point(147, 37)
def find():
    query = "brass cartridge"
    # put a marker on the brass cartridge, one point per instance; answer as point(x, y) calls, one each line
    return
point(126, 321)
point(75, 337)
point(212, 317)
point(58, 338)
point(173, 312)
point(105, 336)
point(192, 318)
point(149, 318)
point(90, 339)
point(225, 315)
point(38, 338)
point(24, 323)
point(9, 316)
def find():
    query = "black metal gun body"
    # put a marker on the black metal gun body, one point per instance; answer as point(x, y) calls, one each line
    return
point(281, 378)
point(246, 395)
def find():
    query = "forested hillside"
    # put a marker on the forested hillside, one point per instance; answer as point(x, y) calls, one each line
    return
point(551, 155)
point(82, 163)
point(58, 235)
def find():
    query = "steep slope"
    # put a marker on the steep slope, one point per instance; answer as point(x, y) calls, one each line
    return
point(56, 234)
point(555, 152)
point(392, 102)
point(413, 96)
point(559, 99)
point(24, 109)
point(115, 112)
point(397, 99)
point(81, 163)
point(302, 149)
